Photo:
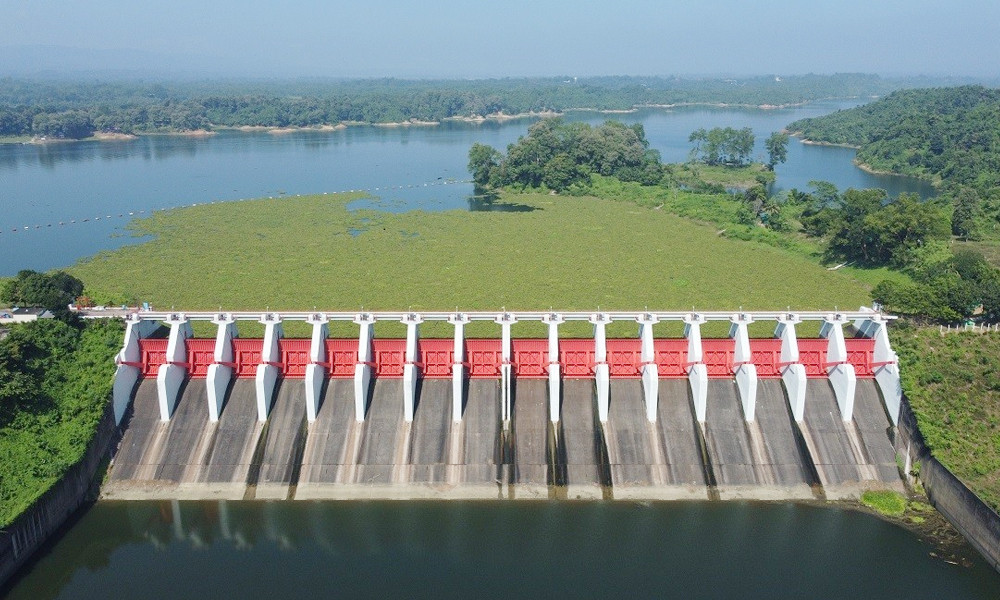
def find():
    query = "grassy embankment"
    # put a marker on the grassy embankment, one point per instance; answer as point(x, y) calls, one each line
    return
point(564, 252)
point(15, 139)
point(691, 174)
point(61, 379)
point(953, 384)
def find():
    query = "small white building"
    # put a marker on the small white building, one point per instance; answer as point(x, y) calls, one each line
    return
point(23, 315)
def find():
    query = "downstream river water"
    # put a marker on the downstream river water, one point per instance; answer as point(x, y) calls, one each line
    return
point(462, 550)
point(108, 183)
point(448, 550)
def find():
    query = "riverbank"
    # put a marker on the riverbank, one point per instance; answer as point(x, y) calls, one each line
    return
point(808, 142)
point(917, 515)
point(497, 117)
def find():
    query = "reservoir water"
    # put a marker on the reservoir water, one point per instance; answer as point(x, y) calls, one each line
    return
point(681, 550)
point(95, 188)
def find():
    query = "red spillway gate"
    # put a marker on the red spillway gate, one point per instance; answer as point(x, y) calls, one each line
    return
point(154, 354)
point(201, 354)
point(342, 357)
point(529, 357)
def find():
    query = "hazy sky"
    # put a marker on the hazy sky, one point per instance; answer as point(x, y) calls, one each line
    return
point(465, 38)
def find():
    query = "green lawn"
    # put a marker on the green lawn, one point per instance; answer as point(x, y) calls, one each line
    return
point(730, 177)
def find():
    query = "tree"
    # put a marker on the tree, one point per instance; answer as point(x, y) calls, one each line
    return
point(483, 160)
point(722, 145)
point(561, 172)
point(968, 215)
point(867, 230)
point(777, 149)
point(54, 292)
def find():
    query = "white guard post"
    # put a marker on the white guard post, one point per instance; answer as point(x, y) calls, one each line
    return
point(411, 370)
point(602, 373)
point(363, 368)
point(697, 371)
point(221, 371)
point(269, 368)
point(743, 367)
point(316, 370)
point(650, 372)
point(841, 373)
point(129, 361)
point(171, 374)
point(885, 363)
point(793, 373)
point(459, 320)
point(553, 320)
point(505, 320)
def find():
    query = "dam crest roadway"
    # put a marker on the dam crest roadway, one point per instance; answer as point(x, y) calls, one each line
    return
point(647, 417)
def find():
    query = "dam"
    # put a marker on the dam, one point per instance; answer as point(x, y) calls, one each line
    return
point(645, 418)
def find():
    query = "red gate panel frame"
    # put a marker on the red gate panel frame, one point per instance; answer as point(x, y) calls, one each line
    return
point(530, 358)
point(341, 357)
point(812, 355)
point(671, 357)
point(577, 358)
point(860, 353)
point(624, 358)
point(294, 356)
point(717, 355)
point(154, 354)
point(484, 358)
point(246, 355)
point(765, 354)
point(200, 354)
point(389, 357)
point(436, 357)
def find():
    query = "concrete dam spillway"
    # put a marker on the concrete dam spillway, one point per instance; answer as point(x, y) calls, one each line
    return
point(467, 418)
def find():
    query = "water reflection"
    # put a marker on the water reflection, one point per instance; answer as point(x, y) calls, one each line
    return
point(487, 549)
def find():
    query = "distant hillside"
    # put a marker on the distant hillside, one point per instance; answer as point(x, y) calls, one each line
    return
point(951, 135)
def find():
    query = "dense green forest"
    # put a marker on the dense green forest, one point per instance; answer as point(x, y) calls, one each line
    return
point(78, 109)
point(55, 382)
point(948, 135)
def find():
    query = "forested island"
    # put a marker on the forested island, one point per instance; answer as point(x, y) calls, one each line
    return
point(76, 110)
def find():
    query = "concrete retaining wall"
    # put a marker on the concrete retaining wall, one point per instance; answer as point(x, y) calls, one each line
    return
point(961, 506)
point(31, 530)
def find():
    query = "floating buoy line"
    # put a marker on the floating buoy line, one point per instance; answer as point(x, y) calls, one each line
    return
point(137, 213)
